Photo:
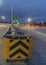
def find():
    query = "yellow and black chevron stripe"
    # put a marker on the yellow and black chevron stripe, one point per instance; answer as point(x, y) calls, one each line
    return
point(19, 48)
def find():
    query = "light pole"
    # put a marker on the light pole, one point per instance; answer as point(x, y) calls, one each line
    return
point(11, 9)
point(11, 6)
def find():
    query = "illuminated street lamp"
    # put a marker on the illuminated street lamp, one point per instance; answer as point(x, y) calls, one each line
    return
point(29, 20)
point(3, 17)
point(42, 22)
point(1, 2)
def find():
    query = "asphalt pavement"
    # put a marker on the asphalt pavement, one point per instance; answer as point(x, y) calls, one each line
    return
point(39, 50)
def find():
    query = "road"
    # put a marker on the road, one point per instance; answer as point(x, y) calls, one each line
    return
point(39, 50)
point(38, 33)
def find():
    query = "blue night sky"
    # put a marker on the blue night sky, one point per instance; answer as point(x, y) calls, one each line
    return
point(35, 9)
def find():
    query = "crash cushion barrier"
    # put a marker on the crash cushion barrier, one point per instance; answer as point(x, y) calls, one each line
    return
point(17, 49)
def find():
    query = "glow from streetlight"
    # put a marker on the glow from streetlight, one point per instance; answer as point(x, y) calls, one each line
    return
point(29, 20)
point(3, 17)
point(1, 2)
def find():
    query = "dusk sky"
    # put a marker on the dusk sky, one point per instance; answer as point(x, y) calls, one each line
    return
point(23, 9)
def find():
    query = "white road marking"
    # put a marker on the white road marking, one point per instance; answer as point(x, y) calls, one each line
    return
point(6, 31)
point(3, 30)
point(41, 33)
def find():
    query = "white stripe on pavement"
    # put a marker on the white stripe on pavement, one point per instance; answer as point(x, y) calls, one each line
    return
point(40, 33)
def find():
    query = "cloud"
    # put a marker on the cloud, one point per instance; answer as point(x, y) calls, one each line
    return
point(1, 2)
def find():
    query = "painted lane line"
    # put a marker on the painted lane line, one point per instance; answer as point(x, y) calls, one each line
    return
point(40, 33)
point(6, 30)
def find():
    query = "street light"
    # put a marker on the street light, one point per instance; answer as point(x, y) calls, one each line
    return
point(3, 17)
point(29, 20)
point(42, 22)
point(1, 2)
